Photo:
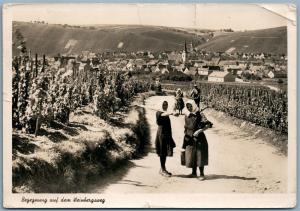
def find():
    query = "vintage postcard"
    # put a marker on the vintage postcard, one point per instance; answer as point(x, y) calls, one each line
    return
point(149, 105)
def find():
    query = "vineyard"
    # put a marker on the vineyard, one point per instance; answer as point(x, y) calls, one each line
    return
point(71, 123)
point(44, 93)
point(257, 104)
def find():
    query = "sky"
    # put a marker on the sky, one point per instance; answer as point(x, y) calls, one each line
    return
point(203, 16)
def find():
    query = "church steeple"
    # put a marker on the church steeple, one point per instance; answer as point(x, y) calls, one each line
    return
point(184, 53)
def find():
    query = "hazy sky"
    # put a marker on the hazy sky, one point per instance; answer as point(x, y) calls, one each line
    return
point(208, 16)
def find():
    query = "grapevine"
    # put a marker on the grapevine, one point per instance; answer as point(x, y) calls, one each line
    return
point(46, 92)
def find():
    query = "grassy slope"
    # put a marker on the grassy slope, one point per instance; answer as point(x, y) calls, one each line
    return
point(272, 40)
point(64, 158)
point(51, 39)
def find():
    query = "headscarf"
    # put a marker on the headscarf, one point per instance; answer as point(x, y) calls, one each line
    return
point(164, 103)
point(194, 107)
point(178, 93)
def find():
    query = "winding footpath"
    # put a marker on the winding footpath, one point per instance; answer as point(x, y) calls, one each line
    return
point(237, 163)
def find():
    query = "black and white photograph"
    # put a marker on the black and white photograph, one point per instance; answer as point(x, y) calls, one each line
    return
point(149, 105)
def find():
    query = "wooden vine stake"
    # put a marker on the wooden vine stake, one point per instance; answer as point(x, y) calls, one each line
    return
point(36, 65)
point(37, 126)
point(44, 61)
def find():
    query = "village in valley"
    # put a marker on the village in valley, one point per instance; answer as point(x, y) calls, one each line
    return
point(195, 64)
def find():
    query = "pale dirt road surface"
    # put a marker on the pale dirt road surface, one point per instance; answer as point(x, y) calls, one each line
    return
point(237, 163)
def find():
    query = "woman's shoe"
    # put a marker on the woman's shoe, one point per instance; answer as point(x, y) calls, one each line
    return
point(164, 173)
point(191, 176)
point(169, 173)
point(202, 177)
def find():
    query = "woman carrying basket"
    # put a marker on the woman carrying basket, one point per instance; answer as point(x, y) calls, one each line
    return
point(195, 143)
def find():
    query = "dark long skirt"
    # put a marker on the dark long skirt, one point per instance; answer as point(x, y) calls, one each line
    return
point(197, 101)
point(179, 104)
point(196, 151)
point(164, 142)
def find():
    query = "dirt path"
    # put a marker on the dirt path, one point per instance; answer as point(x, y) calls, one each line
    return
point(237, 163)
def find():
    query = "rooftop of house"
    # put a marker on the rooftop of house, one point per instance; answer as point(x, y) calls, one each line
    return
point(234, 67)
point(218, 74)
point(227, 62)
point(211, 67)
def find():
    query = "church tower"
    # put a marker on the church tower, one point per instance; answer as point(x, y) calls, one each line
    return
point(184, 53)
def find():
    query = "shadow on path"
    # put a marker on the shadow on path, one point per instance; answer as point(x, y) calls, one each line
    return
point(114, 176)
point(135, 183)
point(215, 177)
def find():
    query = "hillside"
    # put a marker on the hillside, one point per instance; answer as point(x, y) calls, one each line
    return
point(273, 40)
point(51, 39)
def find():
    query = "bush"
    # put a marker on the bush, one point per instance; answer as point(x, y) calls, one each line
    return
point(176, 76)
point(118, 92)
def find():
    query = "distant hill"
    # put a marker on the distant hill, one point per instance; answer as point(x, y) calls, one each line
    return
point(52, 39)
point(273, 40)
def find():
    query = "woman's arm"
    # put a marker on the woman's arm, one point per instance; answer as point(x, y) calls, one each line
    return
point(166, 113)
point(201, 119)
point(159, 120)
point(197, 132)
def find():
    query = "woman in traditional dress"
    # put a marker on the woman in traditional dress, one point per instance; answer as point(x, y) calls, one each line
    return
point(164, 142)
point(179, 101)
point(195, 94)
point(195, 143)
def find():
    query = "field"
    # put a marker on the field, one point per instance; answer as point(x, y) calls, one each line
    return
point(50, 39)
point(273, 84)
point(255, 41)
point(265, 82)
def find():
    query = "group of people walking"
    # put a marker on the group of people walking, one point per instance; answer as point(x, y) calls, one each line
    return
point(195, 94)
point(195, 154)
